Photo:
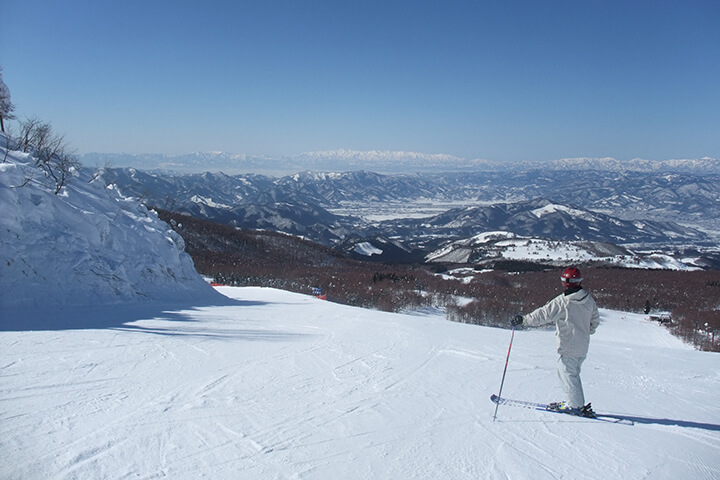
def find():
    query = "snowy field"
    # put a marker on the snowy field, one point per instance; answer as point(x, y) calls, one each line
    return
point(373, 211)
point(275, 385)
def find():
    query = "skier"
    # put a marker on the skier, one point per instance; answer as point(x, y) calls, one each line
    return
point(576, 317)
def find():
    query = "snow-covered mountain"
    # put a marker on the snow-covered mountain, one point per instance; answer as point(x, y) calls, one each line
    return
point(382, 161)
point(541, 218)
point(389, 162)
point(342, 160)
point(491, 249)
point(196, 162)
point(641, 210)
point(696, 165)
point(88, 245)
point(685, 198)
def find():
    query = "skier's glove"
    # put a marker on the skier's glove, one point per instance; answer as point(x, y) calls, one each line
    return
point(516, 320)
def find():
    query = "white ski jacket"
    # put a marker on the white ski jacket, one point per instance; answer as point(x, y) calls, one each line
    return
point(575, 316)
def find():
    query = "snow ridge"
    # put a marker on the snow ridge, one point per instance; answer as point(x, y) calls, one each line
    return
point(86, 246)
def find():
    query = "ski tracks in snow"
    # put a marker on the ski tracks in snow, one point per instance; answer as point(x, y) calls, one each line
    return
point(286, 386)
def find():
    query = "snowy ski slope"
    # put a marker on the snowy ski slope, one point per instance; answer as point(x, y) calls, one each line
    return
point(276, 385)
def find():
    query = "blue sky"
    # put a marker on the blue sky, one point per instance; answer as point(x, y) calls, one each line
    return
point(502, 80)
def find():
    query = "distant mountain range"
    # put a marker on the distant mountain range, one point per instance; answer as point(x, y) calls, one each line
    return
point(492, 248)
point(638, 210)
point(540, 218)
point(378, 161)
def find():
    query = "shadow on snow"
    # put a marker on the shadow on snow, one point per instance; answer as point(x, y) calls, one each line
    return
point(663, 421)
point(123, 318)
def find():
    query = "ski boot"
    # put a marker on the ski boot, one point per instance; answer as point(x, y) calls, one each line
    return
point(563, 407)
point(560, 407)
point(587, 411)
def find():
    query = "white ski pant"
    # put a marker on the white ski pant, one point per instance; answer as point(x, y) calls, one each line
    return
point(569, 373)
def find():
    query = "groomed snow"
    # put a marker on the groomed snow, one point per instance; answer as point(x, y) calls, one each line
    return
point(276, 385)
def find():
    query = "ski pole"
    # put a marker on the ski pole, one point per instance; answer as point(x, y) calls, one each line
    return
point(504, 370)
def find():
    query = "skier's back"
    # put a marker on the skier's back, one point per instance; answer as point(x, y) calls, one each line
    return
point(576, 317)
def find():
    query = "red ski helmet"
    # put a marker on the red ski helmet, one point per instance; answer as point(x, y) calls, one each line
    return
point(571, 277)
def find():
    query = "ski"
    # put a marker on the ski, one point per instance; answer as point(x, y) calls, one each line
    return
point(547, 408)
